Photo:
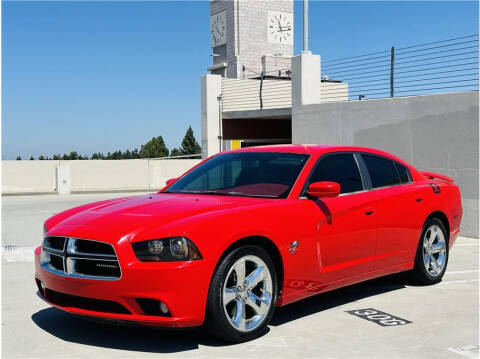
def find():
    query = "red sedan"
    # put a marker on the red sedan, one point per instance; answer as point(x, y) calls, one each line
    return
point(245, 231)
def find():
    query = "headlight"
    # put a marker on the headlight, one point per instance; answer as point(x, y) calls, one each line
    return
point(166, 250)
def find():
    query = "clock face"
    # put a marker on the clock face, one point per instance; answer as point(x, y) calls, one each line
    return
point(280, 27)
point(218, 29)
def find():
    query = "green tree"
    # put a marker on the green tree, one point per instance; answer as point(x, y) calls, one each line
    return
point(190, 145)
point(41, 158)
point(97, 156)
point(19, 158)
point(31, 158)
point(176, 152)
point(154, 148)
point(57, 157)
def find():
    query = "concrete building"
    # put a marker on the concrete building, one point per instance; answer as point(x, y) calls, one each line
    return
point(251, 36)
point(433, 132)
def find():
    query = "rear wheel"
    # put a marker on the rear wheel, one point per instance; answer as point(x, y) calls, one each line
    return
point(242, 295)
point(432, 253)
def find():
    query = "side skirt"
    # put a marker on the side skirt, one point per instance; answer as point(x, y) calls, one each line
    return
point(313, 288)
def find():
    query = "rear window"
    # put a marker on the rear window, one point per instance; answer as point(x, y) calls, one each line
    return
point(403, 173)
point(382, 171)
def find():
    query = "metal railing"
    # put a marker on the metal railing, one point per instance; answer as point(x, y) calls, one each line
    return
point(441, 66)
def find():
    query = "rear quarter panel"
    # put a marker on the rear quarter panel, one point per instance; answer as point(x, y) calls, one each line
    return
point(447, 200)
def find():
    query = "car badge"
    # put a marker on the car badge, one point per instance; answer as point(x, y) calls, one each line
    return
point(293, 247)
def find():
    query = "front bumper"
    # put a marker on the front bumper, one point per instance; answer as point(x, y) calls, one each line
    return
point(182, 286)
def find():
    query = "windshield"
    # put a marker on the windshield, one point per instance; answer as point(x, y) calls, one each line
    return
point(251, 174)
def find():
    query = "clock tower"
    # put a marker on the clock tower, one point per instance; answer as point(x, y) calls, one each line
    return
point(251, 36)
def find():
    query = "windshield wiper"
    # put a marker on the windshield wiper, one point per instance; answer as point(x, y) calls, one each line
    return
point(251, 195)
point(232, 193)
point(202, 192)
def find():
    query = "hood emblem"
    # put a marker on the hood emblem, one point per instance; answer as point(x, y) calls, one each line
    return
point(293, 247)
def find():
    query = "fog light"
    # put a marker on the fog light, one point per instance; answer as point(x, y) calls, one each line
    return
point(163, 308)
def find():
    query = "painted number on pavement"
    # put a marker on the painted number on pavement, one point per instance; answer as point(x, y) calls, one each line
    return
point(381, 318)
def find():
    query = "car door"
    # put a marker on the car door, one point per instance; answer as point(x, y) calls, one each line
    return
point(397, 200)
point(345, 225)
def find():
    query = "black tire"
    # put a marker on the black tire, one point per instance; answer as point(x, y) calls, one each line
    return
point(419, 273)
point(216, 320)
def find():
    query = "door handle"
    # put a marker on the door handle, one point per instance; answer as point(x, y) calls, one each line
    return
point(369, 211)
point(419, 199)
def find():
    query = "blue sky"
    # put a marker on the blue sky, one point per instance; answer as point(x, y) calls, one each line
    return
point(106, 76)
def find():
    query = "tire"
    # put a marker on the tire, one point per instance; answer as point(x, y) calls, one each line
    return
point(236, 311)
point(432, 254)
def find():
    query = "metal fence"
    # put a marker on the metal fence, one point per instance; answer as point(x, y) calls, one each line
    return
point(440, 66)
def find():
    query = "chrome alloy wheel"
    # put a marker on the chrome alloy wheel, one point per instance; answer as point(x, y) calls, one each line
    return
point(247, 293)
point(434, 250)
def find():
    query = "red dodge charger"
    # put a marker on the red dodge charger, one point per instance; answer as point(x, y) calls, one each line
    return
point(246, 231)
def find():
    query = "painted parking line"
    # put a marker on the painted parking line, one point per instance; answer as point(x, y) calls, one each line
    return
point(460, 281)
point(468, 351)
point(12, 254)
point(463, 271)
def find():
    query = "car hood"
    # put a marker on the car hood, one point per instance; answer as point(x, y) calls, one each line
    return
point(113, 219)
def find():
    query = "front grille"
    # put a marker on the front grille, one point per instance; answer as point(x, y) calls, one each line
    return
point(96, 305)
point(81, 258)
point(56, 262)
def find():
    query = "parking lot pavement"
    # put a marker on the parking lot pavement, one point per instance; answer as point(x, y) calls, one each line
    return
point(443, 317)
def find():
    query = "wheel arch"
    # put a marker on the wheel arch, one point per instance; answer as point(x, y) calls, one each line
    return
point(268, 245)
point(443, 218)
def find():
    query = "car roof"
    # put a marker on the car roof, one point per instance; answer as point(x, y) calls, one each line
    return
point(310, 149)
point(317, 149)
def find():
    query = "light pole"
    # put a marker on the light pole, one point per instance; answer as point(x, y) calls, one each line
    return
point(305, 25)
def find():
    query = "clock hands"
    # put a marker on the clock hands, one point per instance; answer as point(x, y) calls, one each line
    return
point(283, 28)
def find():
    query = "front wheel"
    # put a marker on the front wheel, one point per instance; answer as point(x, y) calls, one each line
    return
point(242, 295)
point(432, 253)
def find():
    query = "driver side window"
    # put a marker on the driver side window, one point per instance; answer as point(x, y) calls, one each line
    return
point(341, 168)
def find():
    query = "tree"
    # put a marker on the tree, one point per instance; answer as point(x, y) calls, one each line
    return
point(176, 152)
point(19, 158)
point(97, 156)
point(57, 157)
point(190, 145)
point(31, 158)
point(41, 158)
point(154, 148)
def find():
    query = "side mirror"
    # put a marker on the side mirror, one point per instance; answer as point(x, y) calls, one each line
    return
point(170, 181)
point(323, 189)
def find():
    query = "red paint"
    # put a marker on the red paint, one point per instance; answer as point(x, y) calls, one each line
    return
point(433, 175)
point(343, 239)
point(324, 189)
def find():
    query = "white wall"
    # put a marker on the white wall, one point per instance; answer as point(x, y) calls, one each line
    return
point(28, 176)
point(241, 95)
point(92, 175)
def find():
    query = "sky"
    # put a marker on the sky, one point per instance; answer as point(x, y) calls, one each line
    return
point(106, 76)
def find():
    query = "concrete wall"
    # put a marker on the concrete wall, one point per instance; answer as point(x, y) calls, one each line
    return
point(104, 175)
point(432, 132)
